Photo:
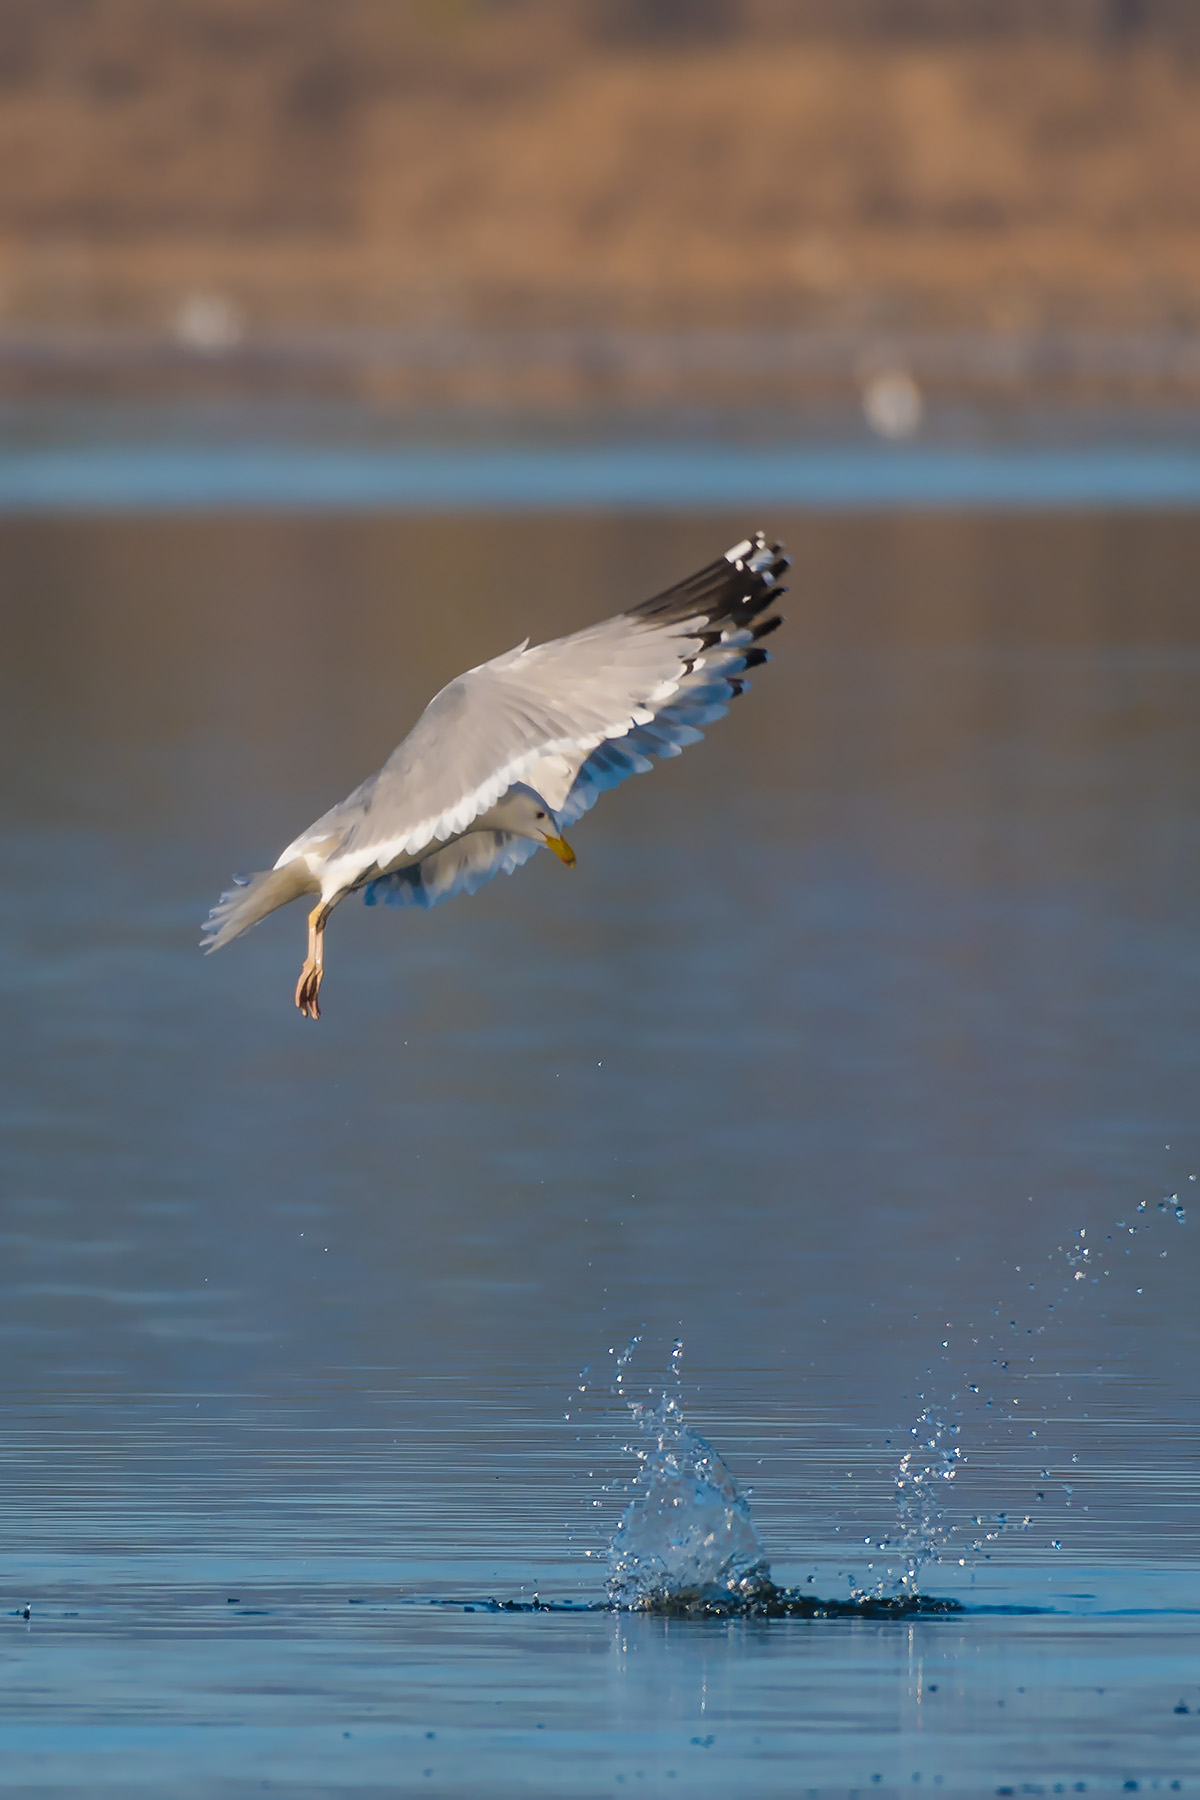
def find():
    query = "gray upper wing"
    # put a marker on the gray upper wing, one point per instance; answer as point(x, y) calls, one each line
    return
point(543, 709)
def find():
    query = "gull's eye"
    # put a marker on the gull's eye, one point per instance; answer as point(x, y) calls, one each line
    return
point(539, 815)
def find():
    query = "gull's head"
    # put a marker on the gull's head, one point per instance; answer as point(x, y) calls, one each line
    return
point(525, 814)
point(546, 831)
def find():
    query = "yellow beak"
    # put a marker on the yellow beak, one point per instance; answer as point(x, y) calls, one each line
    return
point(562, 850)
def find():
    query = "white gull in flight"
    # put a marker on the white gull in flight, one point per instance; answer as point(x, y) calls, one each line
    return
point(510, 754)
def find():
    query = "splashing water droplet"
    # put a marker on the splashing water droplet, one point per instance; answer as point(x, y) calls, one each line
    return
point(687, 1534)
point(922, 1473)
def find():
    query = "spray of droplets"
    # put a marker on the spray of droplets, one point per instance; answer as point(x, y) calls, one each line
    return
point(928, 1467)
point(685, 1532)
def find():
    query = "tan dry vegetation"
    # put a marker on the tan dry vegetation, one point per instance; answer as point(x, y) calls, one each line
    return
point(383, 162)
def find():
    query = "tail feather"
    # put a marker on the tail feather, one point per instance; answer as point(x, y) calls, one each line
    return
point(254, 897)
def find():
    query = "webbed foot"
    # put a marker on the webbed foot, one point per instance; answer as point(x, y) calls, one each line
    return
point(307, 989)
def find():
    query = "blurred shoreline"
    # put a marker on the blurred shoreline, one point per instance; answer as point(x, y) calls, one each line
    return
point(260, 167)
point(585, 370)
point(501, 216)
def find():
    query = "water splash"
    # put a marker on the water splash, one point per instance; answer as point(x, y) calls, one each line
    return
point(921, 1483)
point(686, 1540)
point(687, 1535)
point(686, 1543)
point(924, 1472)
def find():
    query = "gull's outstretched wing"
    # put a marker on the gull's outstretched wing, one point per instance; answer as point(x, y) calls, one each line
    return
point(568, 718)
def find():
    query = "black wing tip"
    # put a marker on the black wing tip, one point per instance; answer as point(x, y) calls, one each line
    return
point(759, 555)
point(736, 588)
point(754, 658)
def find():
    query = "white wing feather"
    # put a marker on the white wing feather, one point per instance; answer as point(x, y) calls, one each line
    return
point(568, 718)
point(490, 727)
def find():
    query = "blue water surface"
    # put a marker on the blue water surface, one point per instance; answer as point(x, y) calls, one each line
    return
point(847, 1025)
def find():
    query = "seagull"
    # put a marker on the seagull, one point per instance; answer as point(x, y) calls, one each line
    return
point(506, 757)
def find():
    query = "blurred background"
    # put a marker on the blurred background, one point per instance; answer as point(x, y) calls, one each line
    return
point(533, 207)
point(341, 346)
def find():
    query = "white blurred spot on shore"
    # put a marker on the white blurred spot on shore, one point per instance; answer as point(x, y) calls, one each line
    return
point(892, 403)
point(208, 323)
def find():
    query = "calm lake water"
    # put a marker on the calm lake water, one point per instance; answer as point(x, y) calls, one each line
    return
point(852, 1030)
